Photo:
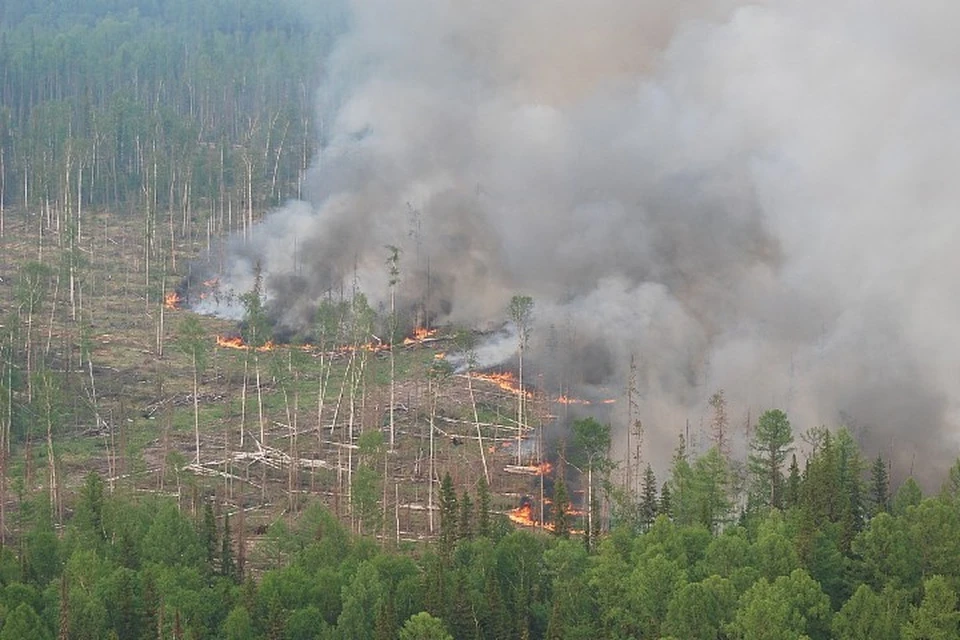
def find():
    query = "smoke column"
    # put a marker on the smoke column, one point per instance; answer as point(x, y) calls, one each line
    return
point(756, 197)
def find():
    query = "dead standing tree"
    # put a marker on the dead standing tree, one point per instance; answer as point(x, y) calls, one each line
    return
point(521, 313)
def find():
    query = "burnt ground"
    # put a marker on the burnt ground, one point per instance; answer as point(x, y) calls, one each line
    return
point(126, 404)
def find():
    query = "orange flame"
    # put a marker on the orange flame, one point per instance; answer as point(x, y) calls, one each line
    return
point(544, 469)
point(171, 301)
point(523, 515)
point(237, 342)
point(372, 347)
point(419, 335)
point(565, 399)
point(505, 380)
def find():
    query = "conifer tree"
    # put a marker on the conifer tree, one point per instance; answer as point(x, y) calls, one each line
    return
point(449, 513)
point(208, 533)
point(666, 500)
point(649, 507)
point(465, 525)
point(227, 566)
point(561, 507)
point(769, 448)
point(791, 496)
point(483, 507)
point(879, 486)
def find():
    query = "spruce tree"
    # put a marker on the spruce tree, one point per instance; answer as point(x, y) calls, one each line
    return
point(879, 486)
point(649, 508)
point(449, 513)
point(561, 508)
point(666, 504)
point(465, 525)
point(227, 566)
point(791, 496)
point(483, 507)
point(772, 441)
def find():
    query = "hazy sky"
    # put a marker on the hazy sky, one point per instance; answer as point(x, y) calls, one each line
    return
point(758, 197)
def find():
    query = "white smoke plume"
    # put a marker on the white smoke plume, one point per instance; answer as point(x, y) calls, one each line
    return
point(758, 197)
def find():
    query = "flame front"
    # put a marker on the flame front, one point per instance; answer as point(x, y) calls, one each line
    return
point(419, 335)
point(505, 380)
point(172, 301)
point(523, 515)
point(237, 342)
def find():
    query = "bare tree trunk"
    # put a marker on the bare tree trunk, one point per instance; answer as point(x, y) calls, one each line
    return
point(243, 397)
point(476, 421)
point(590, 502)
point(433, 412)
point(196, 406)
point(520, 399)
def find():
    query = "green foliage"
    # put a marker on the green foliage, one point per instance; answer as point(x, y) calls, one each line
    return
point(423, 626)
point(937, 617)
point(23, 623)
point(880, 486)
point(483, 507)
point(449, 512)
point(172, 540)
point(908, 495)
point(561, 508)
point(790, 608)
point(590, 443)
point(769, 448)
point(649, 505)
point(701, 610)
point(361, 599)
point(870, 616)
point(238, 625)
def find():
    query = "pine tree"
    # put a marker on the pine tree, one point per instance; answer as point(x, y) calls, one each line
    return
point(483, 507)
point(719, 424)
point(227, 566)
point(666, 500)
point(879, 486)
point(791, 496)
point(649, 508)
point(771, 443)
point(465, 525)
point(208, 534)
point(448, 515)
point(387, 624)
point(561, 508)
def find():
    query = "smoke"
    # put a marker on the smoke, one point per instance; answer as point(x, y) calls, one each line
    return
point(749, 196)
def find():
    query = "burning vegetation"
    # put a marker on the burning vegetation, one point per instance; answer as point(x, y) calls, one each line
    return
point(172, 301)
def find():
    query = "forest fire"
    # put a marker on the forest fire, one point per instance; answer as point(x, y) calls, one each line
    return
point(371, 347)
point(420, 335)
point(505, 380)
point(542, 469)
point(172, 301)
point(568, 400)
point(523, 515)
point(237, 342)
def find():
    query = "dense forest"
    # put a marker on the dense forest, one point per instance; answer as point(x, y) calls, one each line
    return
point(160, 478)
point(195, 114)
point(821, 553)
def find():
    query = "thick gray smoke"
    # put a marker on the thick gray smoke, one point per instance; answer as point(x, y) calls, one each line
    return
point(756, 197)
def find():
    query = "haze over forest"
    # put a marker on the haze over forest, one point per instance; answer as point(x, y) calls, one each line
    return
point(752, 197)
point(340, 319)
